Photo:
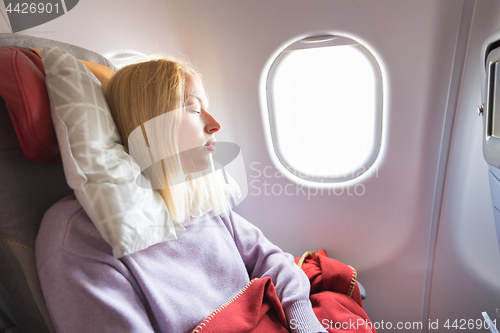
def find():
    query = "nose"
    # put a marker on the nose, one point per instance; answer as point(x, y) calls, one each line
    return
point(212, 125)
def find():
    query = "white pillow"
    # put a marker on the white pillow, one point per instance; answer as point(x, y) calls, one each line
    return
point(130, 218)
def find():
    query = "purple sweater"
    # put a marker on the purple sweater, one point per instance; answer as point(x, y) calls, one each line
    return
point(168, 287)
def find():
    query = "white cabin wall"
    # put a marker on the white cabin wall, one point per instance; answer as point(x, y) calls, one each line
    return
point(466, 277)
point(383, 233)
point(112, 25)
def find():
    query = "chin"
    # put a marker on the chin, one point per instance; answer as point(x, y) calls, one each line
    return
point(196, 160)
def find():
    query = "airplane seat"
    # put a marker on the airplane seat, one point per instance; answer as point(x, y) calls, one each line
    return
point(27, 190)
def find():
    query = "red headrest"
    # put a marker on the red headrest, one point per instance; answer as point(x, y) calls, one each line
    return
point(22, 87)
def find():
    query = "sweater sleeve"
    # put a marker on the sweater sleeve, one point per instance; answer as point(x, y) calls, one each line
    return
point(87, 295)
point(85, 288)
point(263, 258)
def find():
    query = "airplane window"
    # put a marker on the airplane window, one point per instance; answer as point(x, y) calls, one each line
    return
point(324, 98)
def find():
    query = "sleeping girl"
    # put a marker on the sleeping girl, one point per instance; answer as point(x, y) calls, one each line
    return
point(174, 285)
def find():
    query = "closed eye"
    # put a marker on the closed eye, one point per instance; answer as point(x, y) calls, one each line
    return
point(194, 110)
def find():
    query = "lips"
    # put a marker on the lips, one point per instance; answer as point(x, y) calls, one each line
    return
point(211, 144)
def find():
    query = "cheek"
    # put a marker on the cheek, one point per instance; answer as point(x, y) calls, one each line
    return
point(190, 134)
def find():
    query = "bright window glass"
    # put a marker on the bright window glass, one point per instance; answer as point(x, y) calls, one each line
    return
point(325, 110)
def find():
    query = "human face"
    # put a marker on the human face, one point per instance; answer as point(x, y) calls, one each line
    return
point(198, 128)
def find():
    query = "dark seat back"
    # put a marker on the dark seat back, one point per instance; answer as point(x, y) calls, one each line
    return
point(27, 190)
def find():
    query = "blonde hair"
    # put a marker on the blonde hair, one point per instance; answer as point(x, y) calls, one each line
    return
point(140, 92)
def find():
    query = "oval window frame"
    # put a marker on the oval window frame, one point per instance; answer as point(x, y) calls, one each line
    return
point(314, 42)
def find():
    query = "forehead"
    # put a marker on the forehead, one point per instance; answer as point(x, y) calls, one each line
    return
point(193, 87)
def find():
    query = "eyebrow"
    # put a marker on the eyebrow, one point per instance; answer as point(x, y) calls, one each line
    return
point(198, 98)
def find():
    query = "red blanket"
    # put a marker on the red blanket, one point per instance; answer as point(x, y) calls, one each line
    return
point(334, 295)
